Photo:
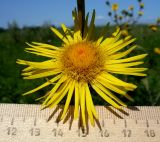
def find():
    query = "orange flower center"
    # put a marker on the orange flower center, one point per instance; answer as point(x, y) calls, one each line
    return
point(82, 61)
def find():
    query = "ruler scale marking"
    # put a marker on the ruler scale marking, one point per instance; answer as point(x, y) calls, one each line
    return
point(25, 123)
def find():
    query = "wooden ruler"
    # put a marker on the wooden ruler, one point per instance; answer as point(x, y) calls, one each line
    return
point(27, 123)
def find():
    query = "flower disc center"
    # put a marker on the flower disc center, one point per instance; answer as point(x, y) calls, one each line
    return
point(82, 60)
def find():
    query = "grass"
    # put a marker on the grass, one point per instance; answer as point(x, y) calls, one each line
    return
point(12, 44)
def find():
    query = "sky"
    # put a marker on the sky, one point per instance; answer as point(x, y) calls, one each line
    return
point(38, 12)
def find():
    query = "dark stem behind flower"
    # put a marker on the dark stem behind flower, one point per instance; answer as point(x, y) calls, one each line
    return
point(81, 14)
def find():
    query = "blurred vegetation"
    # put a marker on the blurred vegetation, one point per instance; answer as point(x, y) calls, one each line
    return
point(12, 44)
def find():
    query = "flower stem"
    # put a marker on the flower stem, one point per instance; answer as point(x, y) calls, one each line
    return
point(81, 14)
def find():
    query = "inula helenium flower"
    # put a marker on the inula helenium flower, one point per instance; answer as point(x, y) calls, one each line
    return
point(115, 7)
point(80, 64)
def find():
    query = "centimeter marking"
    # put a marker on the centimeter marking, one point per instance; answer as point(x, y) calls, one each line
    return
point(19, 122)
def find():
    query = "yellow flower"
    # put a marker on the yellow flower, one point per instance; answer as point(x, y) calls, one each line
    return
point(157, 50)
point(141, 5)
point(131, 7)
point(153, 27)
point(120, 17)
point(115, 7)
point(140, 13)
point(80, 64)
point(124, 32)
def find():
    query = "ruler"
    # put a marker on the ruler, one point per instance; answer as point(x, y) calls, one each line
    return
point(27, 123)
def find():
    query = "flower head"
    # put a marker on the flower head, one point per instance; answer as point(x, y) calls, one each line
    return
point(141, 5)
point(131, 7)
point(140, 13)
point(124, 32)
point(157, 50)
point(81, 64)
point(115, 7)
point(153, 27)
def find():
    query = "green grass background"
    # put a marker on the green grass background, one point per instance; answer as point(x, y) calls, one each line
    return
point(12, 44)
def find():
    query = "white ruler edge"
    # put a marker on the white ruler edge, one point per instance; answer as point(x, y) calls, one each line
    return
point(33, 110)
point(23, 123)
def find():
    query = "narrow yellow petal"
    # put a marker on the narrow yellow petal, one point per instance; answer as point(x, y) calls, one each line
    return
point(59, 35)
point(82, 102)
point(108, 85)
point(77, 36)
point(40, 65)
point(44, 45)
point(70, 93)
point(58, 88)
point(105, 97)
point(99, 41)
point(44, 85)
point(65, 29)
point(41, 54)
point(53, 103)
point(129, 97)
point(111, 40)
point(91, 102)
point(129, 70)
point(56, 97)
point(122, 54)
point(117, 81)
point(67, 32)
point(107, 92)
point(42, 73)
point(88, 106)
point(77, 99)
point(119, 47)
point(27, 69)
point(130, 59)
point(128, 73)
point(123, 65)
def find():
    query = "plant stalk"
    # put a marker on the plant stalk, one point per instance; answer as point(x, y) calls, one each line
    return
point(81, 14)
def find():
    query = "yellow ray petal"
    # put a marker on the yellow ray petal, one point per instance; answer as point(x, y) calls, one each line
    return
point(106, 98)
point(129, 97)
point(128, 73)
point(108, 85)
point(67, 32)
point(44, 45)
point(77, 99)
point(88, 106)
point(42, 73)
point(130, 59)
point(27, 69)
point(42, 50)
point(123, 54)
point(82, 102)
point(77, 36)
point(116, 81)
point(59, 86)
point(113, 45)
point(59, 35)
point(107, 92)
point(91, 102)
point(99, 41)
point(129, 70)
point(41, 54)
point(44, 85)
point(40, 65)
point(111, 40)
point(70, 93)
point(53, 103)
point(119, 47)
point(123, 65)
